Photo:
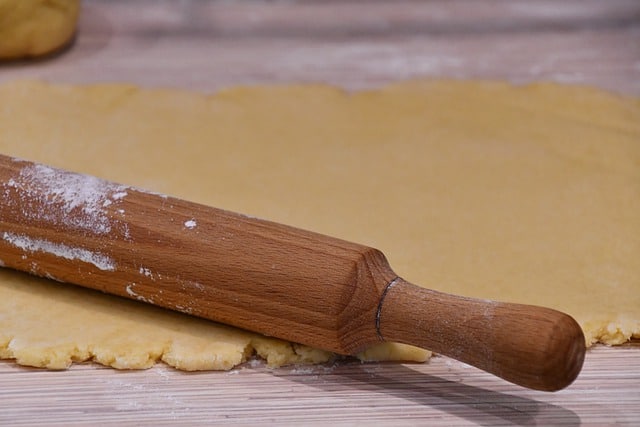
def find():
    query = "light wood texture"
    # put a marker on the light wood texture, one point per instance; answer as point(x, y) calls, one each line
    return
point(441, 393)
point(205, 46)
point(265, 277)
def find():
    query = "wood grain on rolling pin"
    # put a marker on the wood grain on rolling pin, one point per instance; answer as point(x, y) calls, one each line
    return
point(262, 276)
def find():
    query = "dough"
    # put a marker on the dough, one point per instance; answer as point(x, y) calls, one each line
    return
point(36, 27)
point(526, 194)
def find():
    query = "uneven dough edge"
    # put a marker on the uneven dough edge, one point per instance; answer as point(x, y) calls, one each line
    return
point(275, 353)
point(607, 330)
point(137, 335)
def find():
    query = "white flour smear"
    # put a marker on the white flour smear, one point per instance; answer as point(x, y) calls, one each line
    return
point(64, 199)
point(29, 244)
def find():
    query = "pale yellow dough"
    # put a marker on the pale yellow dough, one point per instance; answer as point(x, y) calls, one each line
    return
point(36, 27)
point(528, 194)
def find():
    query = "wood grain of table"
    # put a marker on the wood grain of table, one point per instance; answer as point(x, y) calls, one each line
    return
point(207, 45)
point(443, 392)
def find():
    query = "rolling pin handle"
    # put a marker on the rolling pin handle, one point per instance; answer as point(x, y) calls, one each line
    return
point(531, 346)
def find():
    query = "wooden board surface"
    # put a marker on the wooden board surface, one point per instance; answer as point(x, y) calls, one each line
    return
point(441, 393)
point(205, 45)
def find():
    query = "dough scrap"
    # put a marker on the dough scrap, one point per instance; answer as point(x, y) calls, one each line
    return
point(525, 194)
point(31, 28)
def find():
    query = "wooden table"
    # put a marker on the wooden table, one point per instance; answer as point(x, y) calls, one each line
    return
point(205, 45)
point(441, 393)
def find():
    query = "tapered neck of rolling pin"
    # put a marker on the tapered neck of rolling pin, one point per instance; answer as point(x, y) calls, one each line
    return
point(536, 347)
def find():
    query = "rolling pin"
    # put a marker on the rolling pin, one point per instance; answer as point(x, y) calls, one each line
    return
point(262, 276)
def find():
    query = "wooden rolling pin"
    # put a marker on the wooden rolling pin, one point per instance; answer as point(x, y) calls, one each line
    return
point(262, 276)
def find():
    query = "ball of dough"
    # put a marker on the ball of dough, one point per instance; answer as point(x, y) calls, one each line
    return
point(31, 28)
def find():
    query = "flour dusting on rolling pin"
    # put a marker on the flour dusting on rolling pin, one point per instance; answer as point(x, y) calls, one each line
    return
point(262, 276)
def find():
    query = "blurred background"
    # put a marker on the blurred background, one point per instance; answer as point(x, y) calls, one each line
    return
point(208, 44)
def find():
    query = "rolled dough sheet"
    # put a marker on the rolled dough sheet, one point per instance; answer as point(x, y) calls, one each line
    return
point(527, 194)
